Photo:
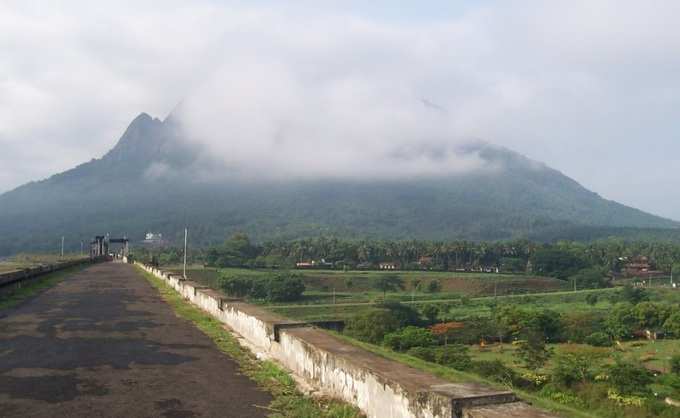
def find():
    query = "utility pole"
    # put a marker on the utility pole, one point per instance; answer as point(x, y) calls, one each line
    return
point(186, 233)
point(81, 248)
point(62, 246)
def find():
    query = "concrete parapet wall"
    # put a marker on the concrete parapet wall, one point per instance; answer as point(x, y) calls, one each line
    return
point(380, 387)
point(15, 278)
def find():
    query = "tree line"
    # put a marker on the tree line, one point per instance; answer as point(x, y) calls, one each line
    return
point(561, 259)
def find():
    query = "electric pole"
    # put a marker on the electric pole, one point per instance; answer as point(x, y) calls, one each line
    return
point(62, 246)
point(186, 233)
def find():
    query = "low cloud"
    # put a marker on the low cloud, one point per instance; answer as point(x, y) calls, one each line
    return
point(308, 89)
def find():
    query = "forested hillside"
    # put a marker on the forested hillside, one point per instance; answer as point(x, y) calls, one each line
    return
point(147, 183)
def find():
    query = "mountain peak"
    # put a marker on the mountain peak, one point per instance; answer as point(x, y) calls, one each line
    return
point(142, 138)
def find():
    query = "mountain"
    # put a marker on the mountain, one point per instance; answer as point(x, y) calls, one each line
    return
point(148, 182)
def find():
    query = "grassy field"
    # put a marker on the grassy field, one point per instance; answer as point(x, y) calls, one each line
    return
point(22, 261)
point(327, 286)
point(342, 294)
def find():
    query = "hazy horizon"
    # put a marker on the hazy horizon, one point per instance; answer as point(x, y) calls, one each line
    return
point(589, 88)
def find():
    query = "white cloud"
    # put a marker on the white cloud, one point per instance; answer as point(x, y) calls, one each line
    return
point(590, 87)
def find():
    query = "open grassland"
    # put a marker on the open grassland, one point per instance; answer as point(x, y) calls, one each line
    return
point(327, 286)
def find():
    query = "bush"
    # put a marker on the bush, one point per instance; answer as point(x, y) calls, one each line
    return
point(285, 288)
point(675, 364)
point(372, 326)
point(591, 299)
point(430, 311)
point(423, 353)
point(237, 286)
point(278, 288)
point(629, 378)
point(434, 286)
point(576, 326)
point(409, 337)
point(598, 339)
point(672, 324)
point(634, 295)
point(577, 365)
point(570, 369)
point(404, 314)
point(495, 370)
point(534, 352)
point(455, 356)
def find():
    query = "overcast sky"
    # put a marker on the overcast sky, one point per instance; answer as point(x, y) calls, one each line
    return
point(591, 88)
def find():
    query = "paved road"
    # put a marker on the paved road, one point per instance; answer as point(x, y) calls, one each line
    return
point(103, 344)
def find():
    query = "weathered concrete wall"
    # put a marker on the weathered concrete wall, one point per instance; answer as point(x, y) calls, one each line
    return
point(16, 278)
point(380, 387)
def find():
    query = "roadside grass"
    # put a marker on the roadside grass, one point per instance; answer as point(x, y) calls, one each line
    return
point(288, 401)
point(32, 287)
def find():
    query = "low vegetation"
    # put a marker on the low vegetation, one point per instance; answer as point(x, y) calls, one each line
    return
point(566, 325)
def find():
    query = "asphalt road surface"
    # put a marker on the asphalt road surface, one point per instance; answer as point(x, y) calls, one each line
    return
point(102, 343)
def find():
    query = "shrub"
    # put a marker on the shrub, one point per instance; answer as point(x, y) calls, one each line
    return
point(404, 314)
point(284, 288)
point(423, 353)
point(409, 337)
point(672, 324)
point(675, 364)
point(434, 286)
point(430, 311)
point(388, 283)
point(455, 356)
point(598, 339)
point(577, 364)
point(634, 295)
point(591, 299)
point(629, 378)
point(621, 321)
point(372, 326)
point(236, 286)
point(495, 370)
point(534, 352)
point(576, 326)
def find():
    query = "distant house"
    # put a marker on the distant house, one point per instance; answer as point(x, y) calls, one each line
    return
point(389, 265)
point(641, 267)
point(654, 334)
point(313, 264)
point(425, 262)
point(364, 266)
point(153, 239)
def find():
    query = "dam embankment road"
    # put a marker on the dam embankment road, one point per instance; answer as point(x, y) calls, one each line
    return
point(102, 343)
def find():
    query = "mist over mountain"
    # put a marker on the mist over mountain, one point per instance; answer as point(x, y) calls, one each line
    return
point(157, 179)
